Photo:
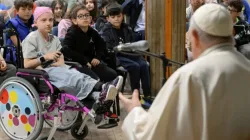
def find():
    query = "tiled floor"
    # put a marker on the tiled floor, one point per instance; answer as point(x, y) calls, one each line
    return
point(94, 133)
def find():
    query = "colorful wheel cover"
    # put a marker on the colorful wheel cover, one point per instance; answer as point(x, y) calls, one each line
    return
point(18, 110)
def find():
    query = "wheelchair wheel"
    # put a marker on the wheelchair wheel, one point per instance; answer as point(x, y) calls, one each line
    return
point(68, 118)
point(20, 109)
point(75, 129)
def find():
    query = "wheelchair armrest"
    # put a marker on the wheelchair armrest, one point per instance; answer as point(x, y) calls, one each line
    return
point(32, 72)
point(73, 64)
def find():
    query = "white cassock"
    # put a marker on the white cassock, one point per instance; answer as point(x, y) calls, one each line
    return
point(207, 99)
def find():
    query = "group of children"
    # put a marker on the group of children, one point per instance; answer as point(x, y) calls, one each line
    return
point(81, 43)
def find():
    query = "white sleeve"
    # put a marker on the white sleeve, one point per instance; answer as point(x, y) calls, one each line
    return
point(176, 113)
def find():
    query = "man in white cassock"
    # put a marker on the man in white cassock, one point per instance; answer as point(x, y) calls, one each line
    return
point(208, 98)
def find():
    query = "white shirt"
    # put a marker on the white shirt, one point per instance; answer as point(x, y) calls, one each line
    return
point(207, 99)
point(141, 20)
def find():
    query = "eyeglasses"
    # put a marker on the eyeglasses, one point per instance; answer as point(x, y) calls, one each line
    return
point(231, 9)
point(83, 16)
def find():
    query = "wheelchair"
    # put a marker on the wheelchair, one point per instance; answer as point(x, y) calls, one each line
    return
point(29, 99)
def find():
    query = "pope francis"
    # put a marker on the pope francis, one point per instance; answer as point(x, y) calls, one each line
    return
point(208, 98)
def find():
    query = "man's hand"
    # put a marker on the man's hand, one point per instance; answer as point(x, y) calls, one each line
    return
point(130, 104)
point(3, 65)
point(95, 62)
point(89, 65)
point(52, 56)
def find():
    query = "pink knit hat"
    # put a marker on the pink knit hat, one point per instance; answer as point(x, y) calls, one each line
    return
point(41, 10)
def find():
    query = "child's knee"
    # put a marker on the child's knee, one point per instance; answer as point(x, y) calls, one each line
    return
point(11, 70)
point(144, 64)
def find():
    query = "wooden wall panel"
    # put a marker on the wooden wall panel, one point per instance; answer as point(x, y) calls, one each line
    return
point(165, 33)
point(155, 35)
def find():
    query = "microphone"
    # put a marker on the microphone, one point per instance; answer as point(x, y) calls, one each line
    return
point(140, 45)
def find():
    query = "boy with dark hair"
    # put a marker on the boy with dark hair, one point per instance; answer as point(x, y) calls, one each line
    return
point(241, 27)
point(21, 24)
point(116, 32)
point(101, 20)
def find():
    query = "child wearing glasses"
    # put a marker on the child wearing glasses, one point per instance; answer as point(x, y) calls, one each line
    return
point(84, 45)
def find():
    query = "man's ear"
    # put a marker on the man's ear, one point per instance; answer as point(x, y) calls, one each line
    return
point(74, 21)
point(90, 18)
point(195, 38)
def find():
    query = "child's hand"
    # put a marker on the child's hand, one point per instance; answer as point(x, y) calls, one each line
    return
point(3, 65)
point(95, 62)
point(52, 56)
point(89, 65)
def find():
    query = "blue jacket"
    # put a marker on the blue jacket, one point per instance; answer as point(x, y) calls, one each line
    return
point(246, 11)
point(22, 30)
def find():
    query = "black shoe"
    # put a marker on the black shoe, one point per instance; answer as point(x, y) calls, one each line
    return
point(148, 99)
point(145, 106)
point(101, 108)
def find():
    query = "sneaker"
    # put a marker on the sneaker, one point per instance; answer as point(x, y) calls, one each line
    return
point(148, 99)
point(145, 104)
point(108, 92)
point(117, 82)
point(106, 99)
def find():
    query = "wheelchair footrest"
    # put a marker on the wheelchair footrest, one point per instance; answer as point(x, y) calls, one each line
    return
point(107, 126)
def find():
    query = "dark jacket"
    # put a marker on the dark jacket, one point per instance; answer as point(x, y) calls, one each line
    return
point(109, 35)
point(242, 33)
point(83, 47)
point(132, 8)
point(100, 22)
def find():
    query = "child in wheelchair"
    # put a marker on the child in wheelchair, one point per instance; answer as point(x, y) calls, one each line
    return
point(40, 46)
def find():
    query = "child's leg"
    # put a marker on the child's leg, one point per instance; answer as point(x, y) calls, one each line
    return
point(71, 81)
point(89, 72)
point(105, 73)
point(145, 77)
point(134, 71)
